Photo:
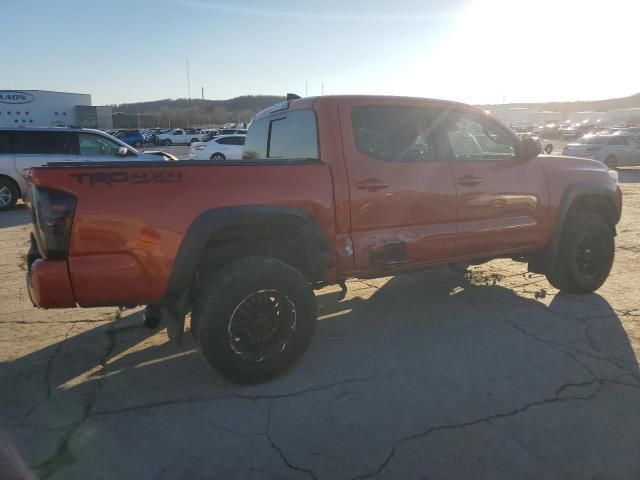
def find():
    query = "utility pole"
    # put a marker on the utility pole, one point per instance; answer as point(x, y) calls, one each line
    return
point(306, 89)
point(322, 89)
point(202, 92)
point(188, 80)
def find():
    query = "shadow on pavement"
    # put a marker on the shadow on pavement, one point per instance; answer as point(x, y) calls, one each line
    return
point(629, 175)
point(15, 217)
point(431, 346)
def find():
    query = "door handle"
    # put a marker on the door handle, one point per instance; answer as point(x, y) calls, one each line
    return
point(372, 185)
point(470, 181)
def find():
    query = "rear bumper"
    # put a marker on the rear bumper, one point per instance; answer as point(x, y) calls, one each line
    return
point(48, 282)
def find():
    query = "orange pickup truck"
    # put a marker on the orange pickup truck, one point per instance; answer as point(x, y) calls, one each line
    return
point(329, 188)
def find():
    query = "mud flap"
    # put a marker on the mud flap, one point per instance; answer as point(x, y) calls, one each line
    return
point(173, 315)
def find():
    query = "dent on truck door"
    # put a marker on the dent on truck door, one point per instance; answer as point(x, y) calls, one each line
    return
point(402, 193)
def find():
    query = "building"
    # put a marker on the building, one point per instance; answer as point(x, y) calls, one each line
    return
point(624, 115)
point(42, 108)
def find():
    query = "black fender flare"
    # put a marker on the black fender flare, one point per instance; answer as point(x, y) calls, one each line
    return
point(209, 222)
point(571, 194)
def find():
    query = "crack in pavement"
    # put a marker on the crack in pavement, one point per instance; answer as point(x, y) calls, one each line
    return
point(62, 455)
point(284, 458)
point(48, 372)
point(486, 419)
point(242, 396)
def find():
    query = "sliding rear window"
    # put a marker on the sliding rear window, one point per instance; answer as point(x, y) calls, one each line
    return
point(290, 135)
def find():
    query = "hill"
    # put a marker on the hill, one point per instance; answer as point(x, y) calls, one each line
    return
point(632, 101)
point(197, 112)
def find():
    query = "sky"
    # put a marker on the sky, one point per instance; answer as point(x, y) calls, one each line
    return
point(475, 51)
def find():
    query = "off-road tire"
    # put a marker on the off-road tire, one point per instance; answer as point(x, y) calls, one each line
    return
point(566, 274)
point(220, 295)
point(9, 194)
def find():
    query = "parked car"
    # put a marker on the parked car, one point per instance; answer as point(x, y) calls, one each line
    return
point(614, 150)
point(242, 245)
point(232, 131)
point(130, 137)
point(179, 136)
point(224, 147)
point(23, 148)
point(545, 145)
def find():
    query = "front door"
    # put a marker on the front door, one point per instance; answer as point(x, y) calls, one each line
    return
point(501, 199)
point(403, 198)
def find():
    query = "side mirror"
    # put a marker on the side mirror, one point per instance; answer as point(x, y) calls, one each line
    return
point(123, 151)
point(531, 148)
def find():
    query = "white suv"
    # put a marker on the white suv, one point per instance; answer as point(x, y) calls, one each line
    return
point(22, 148)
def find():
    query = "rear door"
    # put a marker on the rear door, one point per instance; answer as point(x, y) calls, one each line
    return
point(403, 197)
point(36, 148)
point(501, 199)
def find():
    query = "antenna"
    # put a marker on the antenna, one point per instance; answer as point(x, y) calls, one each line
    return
point(188, 80)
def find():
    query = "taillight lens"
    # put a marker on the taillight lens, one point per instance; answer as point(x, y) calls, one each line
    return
point(200, 147)
point(52, 212)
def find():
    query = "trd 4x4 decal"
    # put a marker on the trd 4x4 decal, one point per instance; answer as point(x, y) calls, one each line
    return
point(111, 178)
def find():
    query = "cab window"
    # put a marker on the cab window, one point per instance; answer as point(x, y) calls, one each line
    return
point(475, 138)
point(94, 145)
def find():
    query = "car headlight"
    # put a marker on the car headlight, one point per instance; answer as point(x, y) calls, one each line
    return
point(613, 175)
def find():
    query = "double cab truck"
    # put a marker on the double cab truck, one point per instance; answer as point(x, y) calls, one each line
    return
point(179, 136)
point(329, 188)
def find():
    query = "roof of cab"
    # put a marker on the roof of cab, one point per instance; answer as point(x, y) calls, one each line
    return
point(311, 102)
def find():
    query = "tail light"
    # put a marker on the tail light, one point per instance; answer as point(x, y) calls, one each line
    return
point(199, 147)
point(52, 212)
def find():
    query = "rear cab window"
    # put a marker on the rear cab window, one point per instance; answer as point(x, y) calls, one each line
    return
point(283, 135)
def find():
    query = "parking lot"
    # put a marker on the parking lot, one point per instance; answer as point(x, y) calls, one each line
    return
point(436, 374)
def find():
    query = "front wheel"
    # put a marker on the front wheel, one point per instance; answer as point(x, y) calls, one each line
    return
point(254, 318)
point(167, 142)
point(218, 156)
point(8, 194)
point(585, 254)
point(548, 149)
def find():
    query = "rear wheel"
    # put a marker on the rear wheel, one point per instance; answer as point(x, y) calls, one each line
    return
point(8, 194)
point(585, 255)
point(218, 157)
point(548, 149)
point(193, 140)
point(611, 161)
point(254, 318)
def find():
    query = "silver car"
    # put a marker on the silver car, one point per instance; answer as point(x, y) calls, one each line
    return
point(22, 148)
point(612, 150)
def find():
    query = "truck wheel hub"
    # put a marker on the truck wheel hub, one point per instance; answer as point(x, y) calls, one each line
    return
point(261, 325)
